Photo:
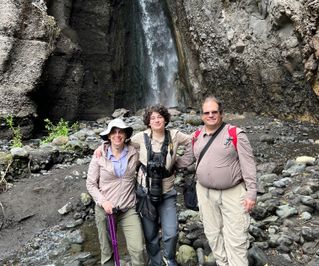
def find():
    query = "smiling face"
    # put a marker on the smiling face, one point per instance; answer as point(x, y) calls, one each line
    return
point(157, 122)
point(117, 137)
point(211, 115)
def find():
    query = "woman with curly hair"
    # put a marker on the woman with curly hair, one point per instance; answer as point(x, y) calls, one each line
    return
point(158, 147)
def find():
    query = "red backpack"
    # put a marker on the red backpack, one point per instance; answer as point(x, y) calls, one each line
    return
point(231, 132)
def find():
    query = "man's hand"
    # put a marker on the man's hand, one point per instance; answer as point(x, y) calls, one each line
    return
point(108, 207)
point(98, 152)
point(249, 204)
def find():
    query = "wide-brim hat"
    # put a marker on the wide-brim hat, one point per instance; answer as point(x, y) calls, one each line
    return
point(119, 123)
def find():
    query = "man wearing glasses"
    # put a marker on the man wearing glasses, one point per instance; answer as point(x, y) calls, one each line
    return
point(226, 185)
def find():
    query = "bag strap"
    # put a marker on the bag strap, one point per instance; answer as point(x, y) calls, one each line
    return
point(208, 144)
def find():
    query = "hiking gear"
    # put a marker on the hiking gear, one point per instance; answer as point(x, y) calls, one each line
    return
point(144, 205)
point(190, 195)
point(232, 132)
point(119, 123)
point(156, 166)
point(112, 231)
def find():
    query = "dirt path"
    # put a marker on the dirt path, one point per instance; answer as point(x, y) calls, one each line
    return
point(32, 205)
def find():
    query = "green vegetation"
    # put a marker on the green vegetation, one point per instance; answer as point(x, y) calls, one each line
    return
point(16, 131)
point(62, 128)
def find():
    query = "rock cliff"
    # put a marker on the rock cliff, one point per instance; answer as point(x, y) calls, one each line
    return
point(257, 55)
point(81, 59)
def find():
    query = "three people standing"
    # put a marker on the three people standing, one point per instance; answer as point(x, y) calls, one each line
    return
point(226, 186)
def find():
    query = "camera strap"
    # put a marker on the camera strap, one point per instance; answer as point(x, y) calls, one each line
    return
point(208, 144)
point(164, 149)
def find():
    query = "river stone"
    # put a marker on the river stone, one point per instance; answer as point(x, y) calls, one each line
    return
point(256, 256)
point(86, 198)
point(60, 140)
point(308, 200)
point(306, 160)
point(19, 152)
point(66, 208)
point(268, 178)
point(174, 112)
point(121, 112)
point(305, 216)
point(5, 158)
point(295, 169)
point(267, 167)
point(186, 255)
point(282, 182)
point(285, 211)
point(194, 120)
point(315, 259)
point(75, 237)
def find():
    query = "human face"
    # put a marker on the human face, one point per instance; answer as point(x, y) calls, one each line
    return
point(157, 121)
point(117, 136)
point(211, 115)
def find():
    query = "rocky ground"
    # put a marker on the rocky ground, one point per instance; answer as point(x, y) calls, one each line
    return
point(32, 228)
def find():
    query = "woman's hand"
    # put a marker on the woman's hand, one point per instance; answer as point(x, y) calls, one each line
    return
point(98, 152)
point(108, 207)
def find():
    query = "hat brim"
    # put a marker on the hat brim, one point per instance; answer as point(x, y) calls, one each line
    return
point(128, 131)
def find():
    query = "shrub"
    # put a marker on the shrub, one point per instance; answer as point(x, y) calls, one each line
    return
point(16, 132)
point(62, 128)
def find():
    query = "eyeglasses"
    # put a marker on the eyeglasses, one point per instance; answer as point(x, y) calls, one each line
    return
point(212, 113)
point(117, 131)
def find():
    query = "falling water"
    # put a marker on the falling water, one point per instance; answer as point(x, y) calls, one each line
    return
point(161, 63)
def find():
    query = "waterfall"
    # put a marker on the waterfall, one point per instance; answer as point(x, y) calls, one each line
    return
point(161, 62)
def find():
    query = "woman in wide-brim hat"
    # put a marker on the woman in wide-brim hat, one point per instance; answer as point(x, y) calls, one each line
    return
point(111, 182)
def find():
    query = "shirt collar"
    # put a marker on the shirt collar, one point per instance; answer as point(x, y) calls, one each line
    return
point(109, 153)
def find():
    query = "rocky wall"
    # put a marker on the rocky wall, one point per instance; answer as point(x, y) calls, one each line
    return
point(259, 56)
point(81, 59)
point(25, 34)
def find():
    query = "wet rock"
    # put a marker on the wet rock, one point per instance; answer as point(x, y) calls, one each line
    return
point(61, 140)
point(285, 211)
point(86, 199)
point(19, 153)
point(75, 237)
point(307, 160)
point(66, 208)
point(186, 255)
point(121, 112)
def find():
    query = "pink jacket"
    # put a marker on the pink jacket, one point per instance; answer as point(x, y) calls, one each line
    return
point(103, 184)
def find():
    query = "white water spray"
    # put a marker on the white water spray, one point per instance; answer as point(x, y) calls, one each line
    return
point(160, 53)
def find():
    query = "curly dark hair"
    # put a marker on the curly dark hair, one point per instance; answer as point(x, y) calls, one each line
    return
point(158, 108)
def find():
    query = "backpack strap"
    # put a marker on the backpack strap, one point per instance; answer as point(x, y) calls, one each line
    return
point(196, 134)
point(232, 132)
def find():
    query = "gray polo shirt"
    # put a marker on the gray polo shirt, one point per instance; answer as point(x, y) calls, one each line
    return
point(223, 167)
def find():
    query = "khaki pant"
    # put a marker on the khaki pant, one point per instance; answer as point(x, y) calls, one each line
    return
point(132, 229)
point(225, 223)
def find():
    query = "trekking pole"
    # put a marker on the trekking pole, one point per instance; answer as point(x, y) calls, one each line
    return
point(112, 229)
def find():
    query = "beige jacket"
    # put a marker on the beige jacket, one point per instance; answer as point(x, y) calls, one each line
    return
point(178, 139)
point(103, 184)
